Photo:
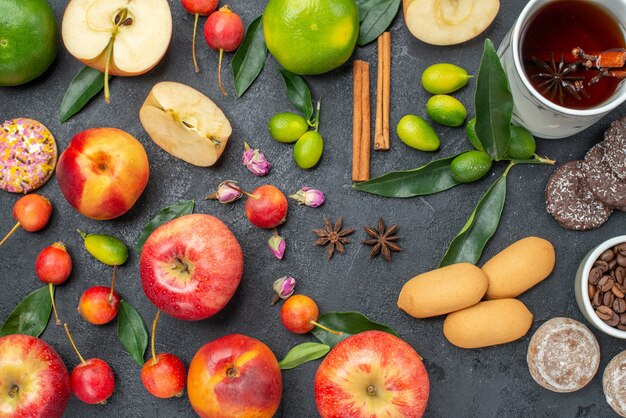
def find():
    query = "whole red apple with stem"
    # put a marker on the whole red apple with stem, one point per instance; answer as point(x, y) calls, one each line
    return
point(53, 266)
point(234, 376)
point(32, 213)
point(266, 207)
point(198, 8)
point(99, 305)
point(223, 31)
point(300, 313)
point(92, 381)
point(191, 266)
point(164, 375)
point(372, 374)
point(34, 381)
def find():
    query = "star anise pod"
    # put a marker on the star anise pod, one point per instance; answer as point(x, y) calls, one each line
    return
point(383, 240)
point(558, 79)
point(333, 237)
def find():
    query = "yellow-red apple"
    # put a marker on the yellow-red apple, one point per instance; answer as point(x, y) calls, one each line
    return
point(191, 266)
point(34, 381)
point(103, 172)
point(372, 374)
point(234, 376)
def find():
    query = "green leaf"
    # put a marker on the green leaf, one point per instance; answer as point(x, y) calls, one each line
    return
point(494, 104)
point(85, 85)
point(431, 178)
point(299, 93)
point(184, 207)
point(132, 332)
point(348, 323)
point(30, 316)
point(302, 353)
point(250, 57)
point(468, 245)
point(375, 17)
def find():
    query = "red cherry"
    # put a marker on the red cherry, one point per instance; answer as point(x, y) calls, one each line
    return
point(223, 31)
point(53, 264)
point(299, 314)
point(99, 305)
point(165, 377)
point(32, 212)
point(266, 207)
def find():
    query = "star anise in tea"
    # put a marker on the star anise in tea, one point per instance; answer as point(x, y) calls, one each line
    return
point(333, 237)
point(382, 239)
point(558, 81)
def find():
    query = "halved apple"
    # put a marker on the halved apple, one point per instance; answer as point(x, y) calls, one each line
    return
point(185, 123)
point(131, 35)
point(448, 22)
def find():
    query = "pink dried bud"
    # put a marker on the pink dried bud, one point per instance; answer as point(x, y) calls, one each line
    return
point(309, 197)
point(225, 193)
point(255, 161)
point(277, 246)
point(283, 288)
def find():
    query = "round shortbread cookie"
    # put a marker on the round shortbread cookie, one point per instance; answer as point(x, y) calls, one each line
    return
point(28, 155)
point(563, 355)
point(614, 383)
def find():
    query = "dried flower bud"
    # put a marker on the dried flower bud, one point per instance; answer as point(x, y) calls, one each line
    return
point(277, 246)
point(225, 193)
point(283, 288)
point(309, 197)
point(255, 161)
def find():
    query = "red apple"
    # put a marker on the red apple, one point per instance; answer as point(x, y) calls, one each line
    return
point(164, 375)
point(372, 374)
point(99, 305)
point(266, 207)
point(103, 172)
point(34, 382)
point(93, 381)
point(234, 376)
point(191, 266)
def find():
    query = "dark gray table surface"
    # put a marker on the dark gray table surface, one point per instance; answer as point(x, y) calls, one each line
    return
point(490, 382)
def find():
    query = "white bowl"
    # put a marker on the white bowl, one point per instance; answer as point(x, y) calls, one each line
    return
point(582, 287)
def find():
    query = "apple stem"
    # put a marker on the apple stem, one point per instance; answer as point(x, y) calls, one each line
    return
point(6, 237)
point(332, 331)
point(371, 390)
point(54, 306)
point(112, 284)
point(67, 330)
point(232, 186)
point(154, 325)
point(219, 73)
point(14, 390)
point(107, 94)
point(193, 44)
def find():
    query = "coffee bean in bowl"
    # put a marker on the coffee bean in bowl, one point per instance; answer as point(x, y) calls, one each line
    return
point(563, 355)
point(601, 287)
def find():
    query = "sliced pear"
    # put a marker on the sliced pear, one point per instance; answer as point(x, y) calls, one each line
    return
point(185, 123)
point(448, 22)
point(136, 33)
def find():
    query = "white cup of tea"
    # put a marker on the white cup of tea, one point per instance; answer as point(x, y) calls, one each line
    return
point(541, 116)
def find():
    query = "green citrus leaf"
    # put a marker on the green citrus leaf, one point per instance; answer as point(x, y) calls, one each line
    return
point(494, 104)
point(249, 59)
point(375, 17)
point(347, 323)
point(85, 85)
point(30, 316)
point(299, 93)
point(468, 245)
point(302, 353)
point(431, 178)
point(184, 207)
point(132, 332)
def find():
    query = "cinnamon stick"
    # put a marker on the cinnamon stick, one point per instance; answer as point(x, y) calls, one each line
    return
point(361, 122)
point(381, 141)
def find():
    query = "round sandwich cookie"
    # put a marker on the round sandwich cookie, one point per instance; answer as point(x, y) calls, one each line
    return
point(615, 148)
point(570, 202)
point(605, 185)
point(28, 155)
point(563, 355)
point(614, 383)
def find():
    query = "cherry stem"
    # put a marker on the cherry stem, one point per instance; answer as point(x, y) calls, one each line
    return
point(6, 237)
point(82, 360)
point(193, 44)
point(154, 325)
point(232, 186)
point(219, 73)
point(112, 284)
point(54, 306)
point(325, 328)
point(316, 120)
